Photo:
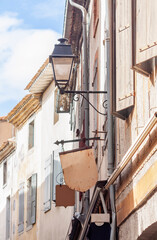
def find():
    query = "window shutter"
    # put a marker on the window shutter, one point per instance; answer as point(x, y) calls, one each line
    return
point(29, 203)
point(31, 135)
point(146, 34)
point(95, 97)
point(124, 73)
point(57, 173)
point(21, 209)
point(8, 218)
point(33, 197)
point(47, 190)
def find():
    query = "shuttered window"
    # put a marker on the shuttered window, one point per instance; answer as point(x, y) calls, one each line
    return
point(145, 33)
point(5, 172)
point(33, 197)
point(8, 218)
point(57, 173)
point(31, 135)
point(124, 73)
point(47, 184)
point(31, 200)
point(21, 209)
point(95, 103)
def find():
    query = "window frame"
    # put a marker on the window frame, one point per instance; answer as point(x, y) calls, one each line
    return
point(30, 222)
point(5, 173)
point(21, 205)
point(31, 135)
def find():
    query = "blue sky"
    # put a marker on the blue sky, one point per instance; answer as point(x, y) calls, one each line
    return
point(28, 32)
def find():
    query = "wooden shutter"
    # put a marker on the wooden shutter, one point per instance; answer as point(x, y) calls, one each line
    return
point(21, 209)
point(8, 218)
point(33, 197)
point(31, 135)
point(47, 184)
point(57, 173)
point(124, 74)
point(29, 202)
point(95, 96)
point(146, 32)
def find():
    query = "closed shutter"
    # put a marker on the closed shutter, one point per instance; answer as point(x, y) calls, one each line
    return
point(21, 209)
point(8, 218)
point(146, 33)
point(95, 103)
point(57, 173)
point(33, 197)
point(124, 74)
point(47, 184)
point(29, 202)
point(95, 96)
point(145, 36)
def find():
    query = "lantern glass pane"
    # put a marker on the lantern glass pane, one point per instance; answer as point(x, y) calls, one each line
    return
point(62, 67)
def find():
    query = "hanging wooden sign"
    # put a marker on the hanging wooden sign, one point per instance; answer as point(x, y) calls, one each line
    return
point(79, 169)
point(64, 196)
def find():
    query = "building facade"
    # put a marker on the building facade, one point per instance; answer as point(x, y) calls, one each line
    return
point(30, 167)
point(115, 47)
point(121, 50)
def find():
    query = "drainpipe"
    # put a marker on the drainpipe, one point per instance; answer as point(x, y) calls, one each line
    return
point(85, 84)
point(110, 124)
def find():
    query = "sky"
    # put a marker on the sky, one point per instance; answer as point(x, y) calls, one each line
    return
point(28, 31)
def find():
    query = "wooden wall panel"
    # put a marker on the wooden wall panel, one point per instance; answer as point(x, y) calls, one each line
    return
point(124, 73)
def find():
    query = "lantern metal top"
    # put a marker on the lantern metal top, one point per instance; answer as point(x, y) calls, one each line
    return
point(63, 49)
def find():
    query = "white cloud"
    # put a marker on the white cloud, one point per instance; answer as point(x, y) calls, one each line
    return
point(22, 52)
point(9, 20)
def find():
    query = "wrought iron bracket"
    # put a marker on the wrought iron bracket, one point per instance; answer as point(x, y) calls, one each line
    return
point(83, 93)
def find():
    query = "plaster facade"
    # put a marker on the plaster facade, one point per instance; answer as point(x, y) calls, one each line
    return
point(26, 161)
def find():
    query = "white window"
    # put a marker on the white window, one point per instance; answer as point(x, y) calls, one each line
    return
point(56, 115)
point(8, 218)
point(31, 135)
point(57, 176)
point(21, 209)
point(31, 199)
point(47, 184)
point(5, 173)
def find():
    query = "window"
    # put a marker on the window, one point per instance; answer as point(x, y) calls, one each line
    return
point(95, 96)
point(123, 82)
point(96, 16)
point(56, 115)
point(21, 209)
point(8, 218)
point(47, 184)
point(5, 173)
point(57, 176)
point(31, 199)
point(31, 135)
point(95, 103)
point(145, 35)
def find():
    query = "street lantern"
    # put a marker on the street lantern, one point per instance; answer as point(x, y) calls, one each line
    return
point(62, 62)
